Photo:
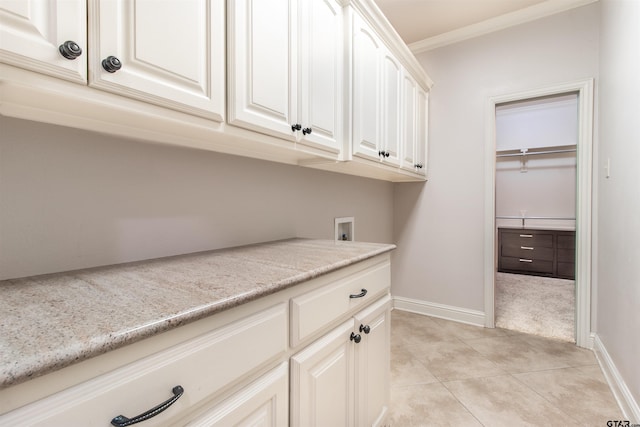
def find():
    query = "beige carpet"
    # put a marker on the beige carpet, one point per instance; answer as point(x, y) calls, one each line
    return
point(536, 305)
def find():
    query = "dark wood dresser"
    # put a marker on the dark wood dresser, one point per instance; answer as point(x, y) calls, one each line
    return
point(537, 252)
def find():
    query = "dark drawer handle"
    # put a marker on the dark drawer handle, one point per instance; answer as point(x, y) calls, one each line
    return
point(360, 295)
point(122, 421)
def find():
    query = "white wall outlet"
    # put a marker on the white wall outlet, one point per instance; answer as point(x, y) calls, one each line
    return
point(345, 228)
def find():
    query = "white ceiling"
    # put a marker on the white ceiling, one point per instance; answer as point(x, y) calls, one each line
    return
point(427, 24)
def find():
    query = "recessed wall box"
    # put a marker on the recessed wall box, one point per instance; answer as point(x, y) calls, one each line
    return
point(345, 228)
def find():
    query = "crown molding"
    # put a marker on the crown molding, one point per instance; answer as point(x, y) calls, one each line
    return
point(531, 13)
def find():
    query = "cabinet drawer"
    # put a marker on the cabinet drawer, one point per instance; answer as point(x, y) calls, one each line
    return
point(528, 252)
point(526, 264)
point(202, 366)
point(527, 238)
point(566, 255)
point(313, 311)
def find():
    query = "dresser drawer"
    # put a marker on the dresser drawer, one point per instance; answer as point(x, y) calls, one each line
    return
point(528, 252)
point(567, 241)
point(528, 238)
point(202, 366)
point(526, 265)
point(313, 311)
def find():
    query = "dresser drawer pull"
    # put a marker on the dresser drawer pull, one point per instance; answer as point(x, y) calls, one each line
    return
point(529, 248)
point(122, 421)
point(526, 260)
point(526, 235)
point(360, 295)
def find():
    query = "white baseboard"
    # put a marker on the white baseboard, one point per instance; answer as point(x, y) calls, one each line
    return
point(448, 312)
point(627, 403)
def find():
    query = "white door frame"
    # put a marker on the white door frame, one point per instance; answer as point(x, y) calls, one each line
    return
point(584, 168)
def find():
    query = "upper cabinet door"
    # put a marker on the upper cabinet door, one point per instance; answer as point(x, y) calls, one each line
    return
point(408, 123)
point(391, 95)
point(262, 66)
point(32, 31)
point(367, 48)
point(321, 54)
point(422, 129)
point(169, 53)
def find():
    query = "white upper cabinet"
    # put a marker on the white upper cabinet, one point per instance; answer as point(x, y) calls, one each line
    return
point(367, 96)
point(422, 127)
point(326, 84)
point(262, 74)
point(286, 70)
point(34, 35)
point(409, 89)
point(376, 97)
point(169, 53)
point(414, 126)
point(321, 48)
point(391, 95)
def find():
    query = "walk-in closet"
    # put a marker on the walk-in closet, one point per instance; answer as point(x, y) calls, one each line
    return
point(535, 215)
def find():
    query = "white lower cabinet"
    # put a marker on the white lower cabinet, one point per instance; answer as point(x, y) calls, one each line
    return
point(372, 367)
point(264, 402)
point(342, 379)
point(316, 354)
point(202, 367)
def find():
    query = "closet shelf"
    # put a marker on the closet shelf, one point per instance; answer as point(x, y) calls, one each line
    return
point(523, 218)
point(546, 150)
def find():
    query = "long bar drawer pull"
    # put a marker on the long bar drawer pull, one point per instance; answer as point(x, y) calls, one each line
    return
point(360, 295)
point(122, 421)
point(526, 260)
point(526, 235)
point(529, 248)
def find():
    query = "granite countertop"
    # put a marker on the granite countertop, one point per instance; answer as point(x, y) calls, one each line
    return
point(52, 321)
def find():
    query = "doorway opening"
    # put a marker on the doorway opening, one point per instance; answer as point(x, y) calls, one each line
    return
point(583, 91)
point(535, 191)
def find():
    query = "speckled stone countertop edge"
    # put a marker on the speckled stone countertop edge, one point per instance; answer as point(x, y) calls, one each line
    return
point(98, 345)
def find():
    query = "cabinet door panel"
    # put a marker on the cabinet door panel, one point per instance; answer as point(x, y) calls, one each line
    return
point(408, 123)
point(373, 364)
point(422, 126)
point(322, 381)
point(262, 87)
point(392, 75)
point(183, 69)
point(321, 63)
point(366, 90)
point(31, 32)
point(264, 402)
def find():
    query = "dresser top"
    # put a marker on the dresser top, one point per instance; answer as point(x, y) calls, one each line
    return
point(52, 321)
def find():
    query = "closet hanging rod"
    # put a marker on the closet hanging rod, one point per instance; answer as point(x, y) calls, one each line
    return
point(525, 152)
point(534, 217)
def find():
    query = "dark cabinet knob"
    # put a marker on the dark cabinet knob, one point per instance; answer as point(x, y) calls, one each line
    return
point(419, 165)
point(355, 337)
point(386, 154)
point(381, 153)
point(70, 49)
point(365, 328)
point(111, 64)
point(306, 131)
point(296, 127)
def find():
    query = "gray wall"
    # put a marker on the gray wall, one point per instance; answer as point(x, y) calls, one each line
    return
point(72, 199)
point(618, 225)
point(439, 227)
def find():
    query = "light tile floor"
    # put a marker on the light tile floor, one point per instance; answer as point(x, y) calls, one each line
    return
point(446, 373)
